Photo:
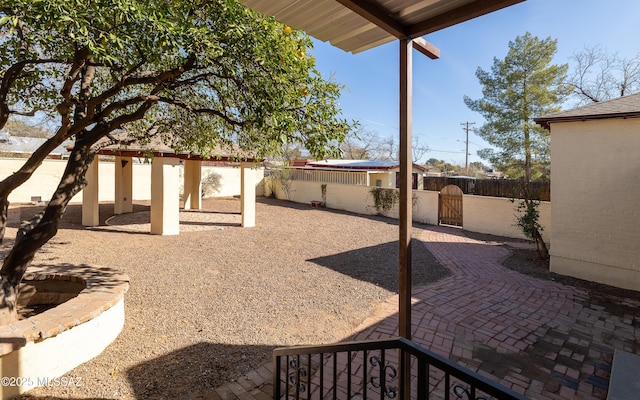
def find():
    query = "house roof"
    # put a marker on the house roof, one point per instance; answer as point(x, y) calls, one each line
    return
point(364, 165)
point(621, 107)
point(21, 144)
point(358, 25)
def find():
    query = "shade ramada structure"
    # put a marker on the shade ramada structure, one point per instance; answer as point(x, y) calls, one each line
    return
point(165, 196)
point(358, 25)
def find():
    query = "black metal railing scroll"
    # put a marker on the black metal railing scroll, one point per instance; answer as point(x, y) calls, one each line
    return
point(371, 370)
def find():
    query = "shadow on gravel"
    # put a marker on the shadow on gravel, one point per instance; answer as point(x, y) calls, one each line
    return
point(195, 371)
point(72, 218)
point(379, 265)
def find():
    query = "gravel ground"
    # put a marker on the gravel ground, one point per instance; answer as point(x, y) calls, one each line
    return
point(212, 303)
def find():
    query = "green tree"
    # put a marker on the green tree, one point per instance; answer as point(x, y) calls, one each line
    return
point(477, 166)
point(442, 165)
point(205, 76)
point(433, 161)
point(518, 88)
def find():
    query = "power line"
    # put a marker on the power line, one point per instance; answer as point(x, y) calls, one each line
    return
point(444, 151)
point(466, 153)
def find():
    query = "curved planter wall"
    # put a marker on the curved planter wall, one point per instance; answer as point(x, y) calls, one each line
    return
point(39, 349)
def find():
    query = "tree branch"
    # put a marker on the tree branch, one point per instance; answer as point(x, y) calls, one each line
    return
point(208, 111)
point(147, 78)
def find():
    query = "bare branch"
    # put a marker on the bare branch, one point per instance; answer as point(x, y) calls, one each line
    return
point(30, 113)
point(599, 75)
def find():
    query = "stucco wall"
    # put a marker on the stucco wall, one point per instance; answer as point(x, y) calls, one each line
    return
point(425, 207)
point(46, 178)
point(358, 199)
point(497, 216)
point(225, 181)
point(595, 191)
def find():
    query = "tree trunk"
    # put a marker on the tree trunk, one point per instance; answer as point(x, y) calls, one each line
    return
point(8, 303)
point(64, 132)
point(4, 114)
point(527, 155)
point(10, 183)
point(32, 237)
point(541, 246)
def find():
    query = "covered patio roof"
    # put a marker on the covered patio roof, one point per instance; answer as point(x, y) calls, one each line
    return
point(358, 25)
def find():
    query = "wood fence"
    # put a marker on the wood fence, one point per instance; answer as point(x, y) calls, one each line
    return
point(509, 188)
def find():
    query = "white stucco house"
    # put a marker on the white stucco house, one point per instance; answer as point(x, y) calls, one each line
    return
point(595, 212)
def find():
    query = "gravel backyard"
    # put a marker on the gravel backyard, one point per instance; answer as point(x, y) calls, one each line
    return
point(210, 304)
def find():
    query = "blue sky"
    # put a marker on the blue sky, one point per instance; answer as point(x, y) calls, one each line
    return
point(371, 77)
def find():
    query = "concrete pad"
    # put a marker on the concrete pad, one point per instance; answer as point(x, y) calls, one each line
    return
point(624, 383)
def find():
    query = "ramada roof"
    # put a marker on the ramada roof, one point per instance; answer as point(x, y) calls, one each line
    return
point(157, 148)
point(621, 107)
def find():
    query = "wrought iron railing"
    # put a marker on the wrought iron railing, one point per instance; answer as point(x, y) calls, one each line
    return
point(379, 369)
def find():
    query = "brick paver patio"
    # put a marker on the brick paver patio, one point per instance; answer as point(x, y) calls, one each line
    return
point(538, 337)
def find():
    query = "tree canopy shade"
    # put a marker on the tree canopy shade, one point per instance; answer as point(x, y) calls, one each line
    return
point(205, 76)
point(518, 88)
point(225, 73)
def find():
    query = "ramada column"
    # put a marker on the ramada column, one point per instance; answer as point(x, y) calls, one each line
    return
point(192, 184)
point(123, 185)
point(90, 204)
point(248, 195)
point(165, 196)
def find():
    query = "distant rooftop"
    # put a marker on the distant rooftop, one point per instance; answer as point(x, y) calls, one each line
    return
point(20, 144)
point(358, 164)
point(621, 107)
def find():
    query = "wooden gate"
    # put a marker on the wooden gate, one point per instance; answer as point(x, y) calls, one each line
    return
point(450, 206)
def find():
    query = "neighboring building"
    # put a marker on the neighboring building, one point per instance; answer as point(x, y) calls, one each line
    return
point(595, 217)
point(379, 173)
point(19, 146)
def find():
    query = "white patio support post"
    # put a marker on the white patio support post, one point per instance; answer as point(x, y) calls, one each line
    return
point(123, 185)
point(90, 196)
point(248, 195)
point(192, 184)
point(165, 196)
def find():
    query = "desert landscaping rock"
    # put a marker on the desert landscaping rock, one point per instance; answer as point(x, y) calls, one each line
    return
point(209, 305)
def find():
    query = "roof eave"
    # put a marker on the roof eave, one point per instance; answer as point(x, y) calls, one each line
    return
point(459, 15)
point(375, 22)
point(546, 121)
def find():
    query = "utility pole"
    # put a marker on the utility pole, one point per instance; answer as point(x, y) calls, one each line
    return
point(466, 151)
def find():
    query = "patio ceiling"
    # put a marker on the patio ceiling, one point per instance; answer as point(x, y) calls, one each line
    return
point(358, 25)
